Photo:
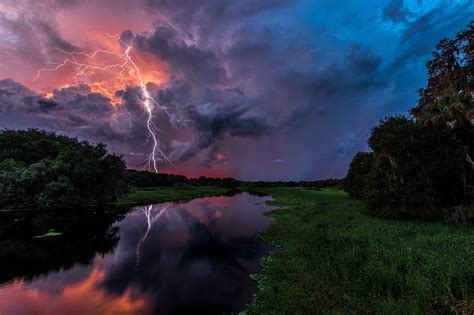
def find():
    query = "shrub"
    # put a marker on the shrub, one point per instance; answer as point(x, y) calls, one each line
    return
point(39, 169)
point(356, 181)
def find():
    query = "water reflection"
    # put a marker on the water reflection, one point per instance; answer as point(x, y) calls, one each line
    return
point(186, 258)
point(86, 233)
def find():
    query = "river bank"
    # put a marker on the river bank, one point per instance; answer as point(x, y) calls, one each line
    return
point(335, 259)
point(164, 194)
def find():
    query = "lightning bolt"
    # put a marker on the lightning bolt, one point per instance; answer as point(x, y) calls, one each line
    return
point(126, 61)
point(152, 215)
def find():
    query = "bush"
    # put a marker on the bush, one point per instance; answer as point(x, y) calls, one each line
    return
point(39, 169)
point(356, 181)
point(414, 171)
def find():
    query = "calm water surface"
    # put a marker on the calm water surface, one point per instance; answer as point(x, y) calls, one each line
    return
point(170, 258)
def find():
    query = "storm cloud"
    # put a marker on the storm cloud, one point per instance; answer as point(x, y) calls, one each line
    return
point(246, 82)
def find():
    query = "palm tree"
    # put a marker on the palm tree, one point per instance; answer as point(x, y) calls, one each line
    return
point(450, 111)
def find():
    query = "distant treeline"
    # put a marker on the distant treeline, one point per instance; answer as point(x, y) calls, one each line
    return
point(422, 166)
point(324, 183)
point(145, 179)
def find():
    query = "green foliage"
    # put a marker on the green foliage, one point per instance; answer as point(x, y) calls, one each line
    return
point(450, 111)
point(418, 170)
point(415, 172)
point(335, 260)
point(424, 164)
point(356, 182)
point(39, 169)
point(451, 70)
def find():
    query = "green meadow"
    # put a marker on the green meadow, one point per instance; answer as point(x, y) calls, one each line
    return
point(333, 259)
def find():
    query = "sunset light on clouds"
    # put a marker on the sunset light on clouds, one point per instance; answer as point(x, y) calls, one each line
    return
point(239, 83)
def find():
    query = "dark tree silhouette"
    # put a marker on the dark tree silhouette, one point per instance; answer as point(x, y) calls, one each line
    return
point(40, 169)
point(423, 166)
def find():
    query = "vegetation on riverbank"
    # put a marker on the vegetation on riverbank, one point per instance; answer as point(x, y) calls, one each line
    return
point(334, 259)
point(164, 194)
point(43, 170)
point(422, 166)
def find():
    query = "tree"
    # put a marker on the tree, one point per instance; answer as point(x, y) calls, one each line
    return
point(417, 171)
point(451, 71)
point(40, 169)
point(424, 164)
point(356, 181)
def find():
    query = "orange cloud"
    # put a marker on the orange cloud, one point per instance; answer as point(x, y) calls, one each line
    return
point(84, 297)
point(106, 69)
point(32, 34)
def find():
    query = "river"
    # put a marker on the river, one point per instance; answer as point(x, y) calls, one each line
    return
point(191, 257)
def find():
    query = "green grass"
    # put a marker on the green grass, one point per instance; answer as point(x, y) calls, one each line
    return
point(164, 194)
point(334, 260)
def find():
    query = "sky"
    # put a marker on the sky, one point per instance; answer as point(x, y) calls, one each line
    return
point(253, 89)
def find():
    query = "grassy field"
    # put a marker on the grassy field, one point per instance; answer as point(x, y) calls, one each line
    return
point(334, 260)
point(163, 194)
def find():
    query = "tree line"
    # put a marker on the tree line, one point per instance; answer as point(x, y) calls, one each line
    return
point(44, 170)
point(145, 179)
point(40, 169)
point(421, 166)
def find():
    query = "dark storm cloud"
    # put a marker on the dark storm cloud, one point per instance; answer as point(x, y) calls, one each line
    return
point(53, 38)
point(66, 3)
point(14, 95)
point(249, 80)
point(297, 93)
point(36, 39)
point(417, 38)
point(82, 100)
point(47, 104)
point(396, 11)
point(260, 82)
point(361, 61)
point(204, 19)
point(197, 119)
point(219, 113)
point(74, 111)
point(214, 9)
point(182, 59)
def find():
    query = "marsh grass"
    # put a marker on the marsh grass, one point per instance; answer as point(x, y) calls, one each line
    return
point(164, 194)
point(334, 259)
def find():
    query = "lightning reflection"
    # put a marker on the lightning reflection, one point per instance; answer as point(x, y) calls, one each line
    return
point(152, 215)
